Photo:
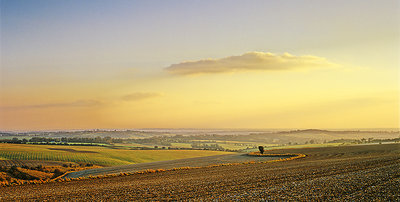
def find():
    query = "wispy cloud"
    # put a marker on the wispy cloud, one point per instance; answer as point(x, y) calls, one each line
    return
point(77, 103)
point(85, 103)
point(249, 62)
point(140, 96)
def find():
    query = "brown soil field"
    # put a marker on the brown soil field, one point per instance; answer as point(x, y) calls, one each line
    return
point(348, 173)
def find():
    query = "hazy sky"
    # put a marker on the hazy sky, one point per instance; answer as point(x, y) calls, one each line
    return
point(199, 64)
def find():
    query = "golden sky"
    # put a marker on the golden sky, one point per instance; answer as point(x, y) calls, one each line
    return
point(268, 65)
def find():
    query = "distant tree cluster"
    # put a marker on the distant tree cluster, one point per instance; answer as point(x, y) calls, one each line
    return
point(364, 140)
point(197, 145)
point(161, 140)
point(105, 140)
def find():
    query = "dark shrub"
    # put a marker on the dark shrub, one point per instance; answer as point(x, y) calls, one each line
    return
point(261, 148)
point(57, 173)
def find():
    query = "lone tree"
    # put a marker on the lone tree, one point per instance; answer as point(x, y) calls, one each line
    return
point(261, 148)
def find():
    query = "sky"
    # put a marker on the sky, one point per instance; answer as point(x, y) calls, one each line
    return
point(199, 64)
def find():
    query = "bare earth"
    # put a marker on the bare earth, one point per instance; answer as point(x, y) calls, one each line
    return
point(355, 173)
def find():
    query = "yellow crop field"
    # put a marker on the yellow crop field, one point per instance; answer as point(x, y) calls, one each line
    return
point(95, 155)
point(181, 145)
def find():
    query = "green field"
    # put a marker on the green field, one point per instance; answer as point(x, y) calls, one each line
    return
point(181, 145)
point(92, 154)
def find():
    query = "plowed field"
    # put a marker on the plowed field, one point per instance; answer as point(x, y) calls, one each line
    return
point(361, 173)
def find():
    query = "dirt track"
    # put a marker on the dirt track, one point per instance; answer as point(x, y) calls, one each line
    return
point(360, 173)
